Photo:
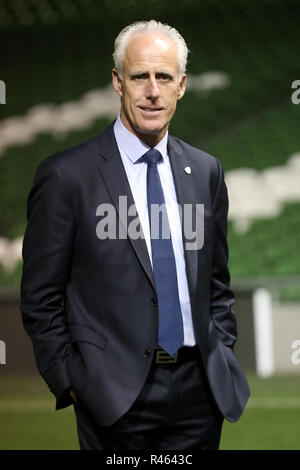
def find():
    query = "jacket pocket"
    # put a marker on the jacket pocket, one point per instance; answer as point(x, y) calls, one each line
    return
point(85, 334)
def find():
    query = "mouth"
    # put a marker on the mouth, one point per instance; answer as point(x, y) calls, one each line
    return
point(151, 110)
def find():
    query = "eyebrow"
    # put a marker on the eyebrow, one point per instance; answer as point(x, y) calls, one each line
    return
point(161, 72)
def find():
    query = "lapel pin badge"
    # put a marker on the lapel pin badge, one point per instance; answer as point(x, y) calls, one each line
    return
point(188, 170)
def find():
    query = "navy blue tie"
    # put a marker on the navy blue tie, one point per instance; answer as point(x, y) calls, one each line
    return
point(170, 326)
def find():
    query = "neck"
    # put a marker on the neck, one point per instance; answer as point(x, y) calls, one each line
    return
point(151, 139)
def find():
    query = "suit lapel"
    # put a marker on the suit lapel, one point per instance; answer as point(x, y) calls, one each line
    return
point(185, 191)
point(115, 179)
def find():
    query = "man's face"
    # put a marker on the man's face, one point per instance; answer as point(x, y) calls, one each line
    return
point(150, 85)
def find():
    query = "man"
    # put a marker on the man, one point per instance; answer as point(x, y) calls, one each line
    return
point(136, 331)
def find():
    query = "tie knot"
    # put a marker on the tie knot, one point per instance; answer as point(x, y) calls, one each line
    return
point(152, 156)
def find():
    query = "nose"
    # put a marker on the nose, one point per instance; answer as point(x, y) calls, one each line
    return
point(152, 89)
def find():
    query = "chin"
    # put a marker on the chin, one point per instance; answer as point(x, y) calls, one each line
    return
point(154, 129)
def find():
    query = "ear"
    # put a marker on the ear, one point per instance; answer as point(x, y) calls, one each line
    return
point(182, 87)
point(117, 82)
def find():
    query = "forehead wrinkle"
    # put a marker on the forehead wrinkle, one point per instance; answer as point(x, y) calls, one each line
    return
point(155, 65)
point(148, 71)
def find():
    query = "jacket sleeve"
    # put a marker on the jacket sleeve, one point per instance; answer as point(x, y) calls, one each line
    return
point(46, 252)
point(223, 321)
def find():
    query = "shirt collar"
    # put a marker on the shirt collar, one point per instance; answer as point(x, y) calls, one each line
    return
point(132, 146)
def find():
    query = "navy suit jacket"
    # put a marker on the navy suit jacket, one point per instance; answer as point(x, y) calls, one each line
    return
point(87, 304)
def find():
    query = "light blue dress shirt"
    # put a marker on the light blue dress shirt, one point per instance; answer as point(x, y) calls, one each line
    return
point(131, 149)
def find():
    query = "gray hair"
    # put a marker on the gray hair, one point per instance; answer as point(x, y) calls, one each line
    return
point(151, 26)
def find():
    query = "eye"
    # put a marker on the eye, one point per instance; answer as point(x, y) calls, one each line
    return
point(164, 77)
point(138, 77)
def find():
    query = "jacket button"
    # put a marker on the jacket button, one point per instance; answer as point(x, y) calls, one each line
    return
point(148, 353)
point(154, 301)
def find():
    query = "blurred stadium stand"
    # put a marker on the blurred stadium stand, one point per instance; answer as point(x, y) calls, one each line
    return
point(56, 63)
